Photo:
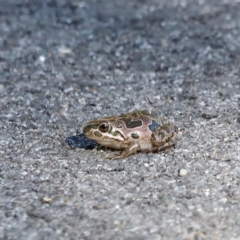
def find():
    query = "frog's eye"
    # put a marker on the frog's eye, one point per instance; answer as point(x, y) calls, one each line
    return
point(103, 127)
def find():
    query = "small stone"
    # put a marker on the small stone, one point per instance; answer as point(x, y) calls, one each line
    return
point(183, 172)
point(47, 199)
point(151, 164)
point(64, 50)
point(218, 177)
point(38, 172)
point(99, 166)
point(67, 90)
point(226, 139)
point(59, 231)
point(42, 58)
point(95, 207)
point(146, 165)
point(209, 114)
point(153, 82)
point(24, 173)
point(1, 87)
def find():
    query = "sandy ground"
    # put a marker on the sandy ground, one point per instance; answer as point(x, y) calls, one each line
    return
point(63, 63)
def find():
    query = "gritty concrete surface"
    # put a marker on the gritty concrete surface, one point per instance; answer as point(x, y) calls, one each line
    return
point(63, 63)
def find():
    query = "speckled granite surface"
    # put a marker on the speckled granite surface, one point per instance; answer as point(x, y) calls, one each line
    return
point(63, 63)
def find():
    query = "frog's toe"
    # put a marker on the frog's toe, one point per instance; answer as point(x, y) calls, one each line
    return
point(113, 156)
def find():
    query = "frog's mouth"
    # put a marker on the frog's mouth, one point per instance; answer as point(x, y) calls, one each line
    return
point(110, 139)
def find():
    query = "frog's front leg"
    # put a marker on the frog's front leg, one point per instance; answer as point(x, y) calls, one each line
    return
point(164, 137)
point(130, 149)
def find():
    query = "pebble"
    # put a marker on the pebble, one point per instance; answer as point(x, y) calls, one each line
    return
point(64, 50)
point(146, 165)
point(42, 58)
point(38, 172)
point(226, 139)
point(24, 173)
point(47, 199)
point(183, 172)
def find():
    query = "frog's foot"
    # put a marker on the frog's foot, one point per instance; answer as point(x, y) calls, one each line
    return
point(113, 156)
point(164, 137)
point(131, 149)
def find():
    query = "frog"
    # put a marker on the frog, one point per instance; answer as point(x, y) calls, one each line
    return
point(136, 131)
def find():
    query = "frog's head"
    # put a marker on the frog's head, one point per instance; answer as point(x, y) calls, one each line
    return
point(107, 132)
point(112, 131)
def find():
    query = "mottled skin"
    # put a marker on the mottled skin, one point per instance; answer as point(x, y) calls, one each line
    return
point(132, 132)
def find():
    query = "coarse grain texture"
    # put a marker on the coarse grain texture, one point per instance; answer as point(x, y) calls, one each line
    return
point(63, 63)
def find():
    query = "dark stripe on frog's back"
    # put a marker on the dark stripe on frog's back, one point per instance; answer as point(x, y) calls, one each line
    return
point(153, 126)
point(135, 135)
point(166, 128)
point(131, 123)
point(129, 115)
point(162, 135)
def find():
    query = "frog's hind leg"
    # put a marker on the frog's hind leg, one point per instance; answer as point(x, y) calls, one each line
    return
point(131, 149)
point(113, 156)
point(164, 137)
